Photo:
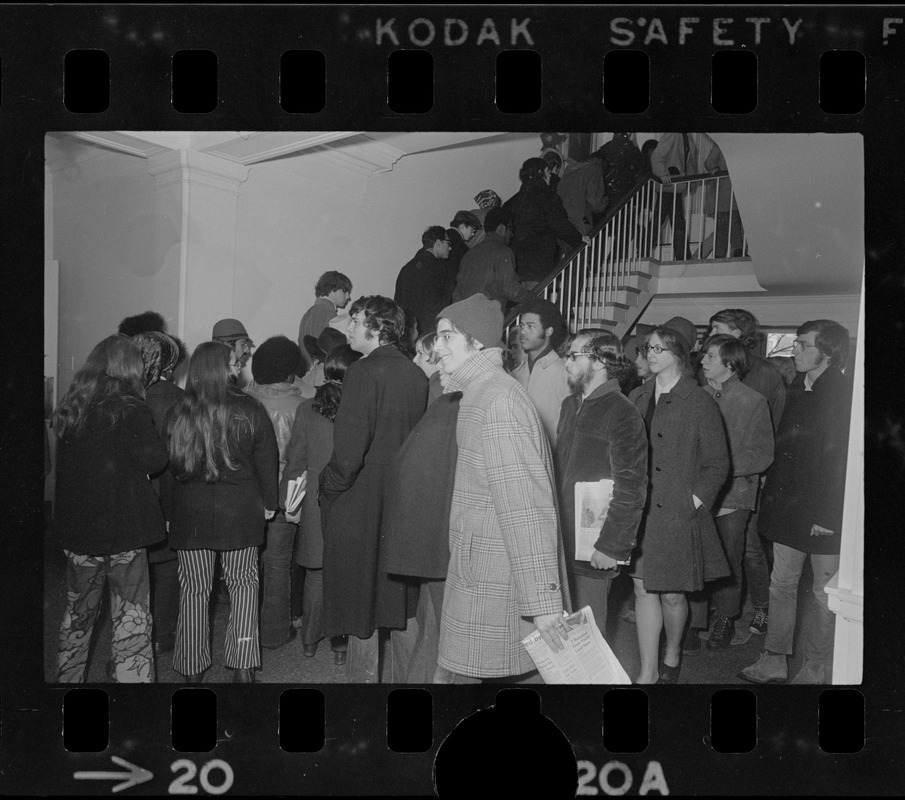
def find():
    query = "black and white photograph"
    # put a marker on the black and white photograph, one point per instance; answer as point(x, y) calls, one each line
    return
point(444, 400)
point(578, 266)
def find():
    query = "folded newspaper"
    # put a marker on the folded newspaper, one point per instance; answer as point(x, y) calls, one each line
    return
point(586, 657)
point(592, 502)
point(295, 493)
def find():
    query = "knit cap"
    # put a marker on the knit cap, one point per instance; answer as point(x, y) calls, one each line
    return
point(684, 327)
point(479, 317)
point(487, 199)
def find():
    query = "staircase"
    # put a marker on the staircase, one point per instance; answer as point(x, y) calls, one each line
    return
point(609, 282)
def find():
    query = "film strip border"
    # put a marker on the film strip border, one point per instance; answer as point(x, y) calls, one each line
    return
point(308, 741)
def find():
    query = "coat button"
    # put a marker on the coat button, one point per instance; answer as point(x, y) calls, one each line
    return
point(658, 469)
point(718, 394)
point(659, 505)
point(659, 435)
point(553, 587)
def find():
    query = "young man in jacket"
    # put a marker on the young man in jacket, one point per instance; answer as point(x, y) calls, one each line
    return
point(489, 268)
point(332, 292)
point(542, 372)
point(384, 396)
point(506, 568)
point(424, 284)
point(803, 502)
point(601, 436)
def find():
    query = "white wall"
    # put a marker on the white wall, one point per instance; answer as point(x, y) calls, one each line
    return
point(103, 237)
point(297, 220)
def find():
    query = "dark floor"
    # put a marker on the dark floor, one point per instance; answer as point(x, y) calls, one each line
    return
point(287, 665)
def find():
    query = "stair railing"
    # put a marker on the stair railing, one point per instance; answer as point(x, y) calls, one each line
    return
point(586, 280)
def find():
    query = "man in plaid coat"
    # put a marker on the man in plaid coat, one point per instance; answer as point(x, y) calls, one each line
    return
point(506, 569)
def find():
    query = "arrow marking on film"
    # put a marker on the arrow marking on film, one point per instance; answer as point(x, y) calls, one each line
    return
point(133, 777)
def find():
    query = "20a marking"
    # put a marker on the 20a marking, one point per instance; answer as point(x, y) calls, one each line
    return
point(615, 778)
point(181, 785)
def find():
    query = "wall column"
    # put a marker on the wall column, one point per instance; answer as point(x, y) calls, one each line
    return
point(198, 194)
point(846, 589)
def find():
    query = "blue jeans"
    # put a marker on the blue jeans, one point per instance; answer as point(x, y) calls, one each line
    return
point(757, 571)
point(787, 566)
point(276, 619)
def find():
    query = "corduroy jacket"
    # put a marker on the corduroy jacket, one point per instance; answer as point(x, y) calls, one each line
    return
point(602, 436)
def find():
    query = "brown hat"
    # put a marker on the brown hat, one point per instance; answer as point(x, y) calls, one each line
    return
point(465, 218)
point(323, 344)
point(684, 327)
point(479, 317)
point(229, 329)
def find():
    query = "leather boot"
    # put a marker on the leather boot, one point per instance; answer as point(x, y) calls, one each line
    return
point(770, 668)
point(246, 675)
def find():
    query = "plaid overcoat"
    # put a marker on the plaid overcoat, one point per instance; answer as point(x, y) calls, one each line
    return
point(506, 560)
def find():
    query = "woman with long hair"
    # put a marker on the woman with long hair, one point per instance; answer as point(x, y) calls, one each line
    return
point(161, 355)
point(310, 448)
point(688, 463)
point(107, 512)
point(225, 462)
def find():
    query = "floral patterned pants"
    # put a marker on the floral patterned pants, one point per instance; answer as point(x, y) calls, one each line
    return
point(127, 576)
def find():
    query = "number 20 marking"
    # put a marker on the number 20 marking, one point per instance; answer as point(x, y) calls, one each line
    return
point(181, 785)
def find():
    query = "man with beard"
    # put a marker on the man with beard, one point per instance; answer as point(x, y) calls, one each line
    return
point(601, 435)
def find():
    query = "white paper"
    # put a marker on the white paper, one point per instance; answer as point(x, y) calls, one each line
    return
point(585, 658)
point(295, 493)
point(592, 502)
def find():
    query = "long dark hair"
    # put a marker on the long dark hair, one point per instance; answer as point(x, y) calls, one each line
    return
point(113, 370)
point(198, 427)
point(328, 395)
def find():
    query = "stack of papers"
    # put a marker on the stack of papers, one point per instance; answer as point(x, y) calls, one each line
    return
point(295, 493)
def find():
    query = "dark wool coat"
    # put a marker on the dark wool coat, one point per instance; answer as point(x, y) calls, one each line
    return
point(415, 531)
point(806, 483)
point(229, 514)
point(384, 396)
point(424, 288)
point(538, 220)
point(105, 503)
point(489, 269)
point(310, 448)
point(161, 396)
point(688, 455)
point(506, 561)
point(602, 437)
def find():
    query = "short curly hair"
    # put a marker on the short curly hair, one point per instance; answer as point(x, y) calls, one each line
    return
point(330, 282)
point(381, 316)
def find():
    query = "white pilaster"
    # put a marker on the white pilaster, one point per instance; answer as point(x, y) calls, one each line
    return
point(197, 197)
point(846, 589)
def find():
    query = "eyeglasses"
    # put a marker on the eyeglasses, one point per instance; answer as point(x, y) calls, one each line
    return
point(657, 348)
point(802, 345)
point(573, 354)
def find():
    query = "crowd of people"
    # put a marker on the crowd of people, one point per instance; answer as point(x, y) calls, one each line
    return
point(439, 465)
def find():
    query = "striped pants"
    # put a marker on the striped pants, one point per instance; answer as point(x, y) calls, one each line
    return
point(196, 577)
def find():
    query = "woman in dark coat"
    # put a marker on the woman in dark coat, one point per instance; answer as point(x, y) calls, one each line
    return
point(161, 355)
point(538, 221)
point(107, 512)
point(688, 463)
point(225, 462)
point(309, 451)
